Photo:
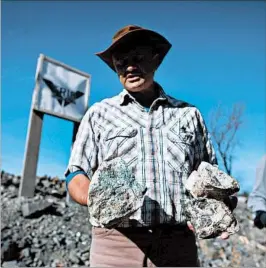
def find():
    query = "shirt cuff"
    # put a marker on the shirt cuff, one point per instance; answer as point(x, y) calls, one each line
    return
point(70, 176)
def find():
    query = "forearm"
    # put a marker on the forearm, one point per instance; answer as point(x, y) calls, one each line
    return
point(78, 189)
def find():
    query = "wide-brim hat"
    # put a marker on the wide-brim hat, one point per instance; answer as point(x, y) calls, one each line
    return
point(133, 34)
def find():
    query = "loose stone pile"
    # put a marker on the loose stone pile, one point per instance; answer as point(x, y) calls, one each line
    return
point(207, 212)
point(59, 234)
point(43, 231)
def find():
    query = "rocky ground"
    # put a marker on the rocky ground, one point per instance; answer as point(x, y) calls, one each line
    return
point(48, 231)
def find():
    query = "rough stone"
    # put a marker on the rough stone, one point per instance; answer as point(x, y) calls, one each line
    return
point(113, 194)
point(10, 264)
point(210, 189)
point(210, 217)
point(25, 252)
point(31, 208)
point(209, 181)
point(73, 257)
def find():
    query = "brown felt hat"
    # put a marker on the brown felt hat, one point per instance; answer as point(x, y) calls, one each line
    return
point(137, 35)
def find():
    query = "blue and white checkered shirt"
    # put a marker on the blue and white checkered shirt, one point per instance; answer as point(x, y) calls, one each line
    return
point(162, 146)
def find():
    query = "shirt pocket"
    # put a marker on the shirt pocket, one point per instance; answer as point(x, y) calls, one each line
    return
point(121, 142)
point(180, 151)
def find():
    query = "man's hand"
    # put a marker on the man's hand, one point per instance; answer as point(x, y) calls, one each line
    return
point(223, 236)
point(78, 189)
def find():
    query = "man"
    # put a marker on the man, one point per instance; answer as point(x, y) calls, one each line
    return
point(161, 140)
point(257, 198)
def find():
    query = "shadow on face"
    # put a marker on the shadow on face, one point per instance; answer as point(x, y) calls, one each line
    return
point(135, 67)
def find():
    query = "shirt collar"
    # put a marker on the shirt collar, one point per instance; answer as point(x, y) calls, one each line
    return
point(125, 96)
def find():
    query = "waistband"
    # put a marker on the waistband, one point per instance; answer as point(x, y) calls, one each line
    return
point(155, 228)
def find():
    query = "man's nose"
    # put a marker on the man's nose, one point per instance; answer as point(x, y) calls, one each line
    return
point(131, 68)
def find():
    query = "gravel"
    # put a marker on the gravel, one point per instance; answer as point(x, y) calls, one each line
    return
point(47, 231)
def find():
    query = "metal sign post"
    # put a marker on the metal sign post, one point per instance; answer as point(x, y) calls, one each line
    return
point(60, 91)
point(27, 184)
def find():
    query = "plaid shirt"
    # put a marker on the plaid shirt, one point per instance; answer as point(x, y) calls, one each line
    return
point(162, 146)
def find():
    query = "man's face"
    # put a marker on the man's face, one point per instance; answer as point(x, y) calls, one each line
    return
point(135, 67)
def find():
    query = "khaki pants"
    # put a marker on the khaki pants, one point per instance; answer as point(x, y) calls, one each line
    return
point(143, 247)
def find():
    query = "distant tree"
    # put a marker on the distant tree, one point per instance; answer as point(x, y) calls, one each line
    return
point(224, 126)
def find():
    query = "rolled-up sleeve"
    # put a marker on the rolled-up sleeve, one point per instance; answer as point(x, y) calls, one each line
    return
point(257, 198)
point(204, 150)
point(84, 152)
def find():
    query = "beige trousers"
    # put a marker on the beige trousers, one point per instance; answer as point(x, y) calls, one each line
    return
point(143, 247)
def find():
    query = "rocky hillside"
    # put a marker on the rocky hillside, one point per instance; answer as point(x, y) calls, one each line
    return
point(48, 231)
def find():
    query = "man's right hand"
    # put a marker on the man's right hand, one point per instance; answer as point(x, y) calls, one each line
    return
point(260, 219)
point(78, 189)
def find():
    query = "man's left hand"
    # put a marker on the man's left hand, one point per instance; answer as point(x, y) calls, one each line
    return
point(224, 235)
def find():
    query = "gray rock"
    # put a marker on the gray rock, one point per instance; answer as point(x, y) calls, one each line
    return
point(207, 211)
point(85, 256)
point(56, 242)
point(210, 217)
point(70, 244)
point(45, 183)
point(38, 253)
point(10, 264)
point(35, 240)
point(28, 262)
point(209, 181)
point(113, 194)
point(39, 263)
point(16, 181)
point(73, 257)
point(25, 252)
point(13, 189)
point(31, 208)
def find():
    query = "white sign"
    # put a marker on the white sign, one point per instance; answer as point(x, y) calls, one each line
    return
point(61, 90)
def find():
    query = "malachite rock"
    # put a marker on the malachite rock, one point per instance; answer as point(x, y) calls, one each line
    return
point(114, 194)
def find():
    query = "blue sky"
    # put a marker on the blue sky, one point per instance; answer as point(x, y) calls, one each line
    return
point(218, 56)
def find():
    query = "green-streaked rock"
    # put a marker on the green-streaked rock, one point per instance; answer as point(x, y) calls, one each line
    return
point(114, 194)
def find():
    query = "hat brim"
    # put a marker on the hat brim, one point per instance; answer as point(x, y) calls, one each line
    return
point(156, 40)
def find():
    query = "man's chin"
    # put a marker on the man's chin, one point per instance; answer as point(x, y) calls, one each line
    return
point(135, 86)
